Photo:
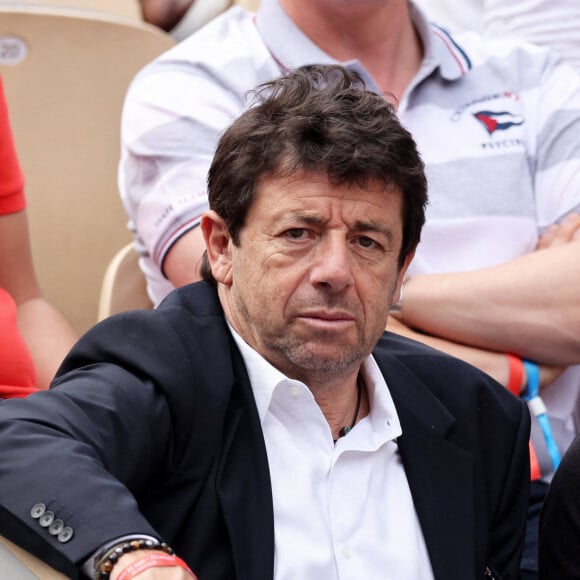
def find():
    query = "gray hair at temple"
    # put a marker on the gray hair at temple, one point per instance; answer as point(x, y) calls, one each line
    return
point(318, 118)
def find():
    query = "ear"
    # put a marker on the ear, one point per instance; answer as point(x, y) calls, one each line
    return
point(401, 277)
point(218, 244)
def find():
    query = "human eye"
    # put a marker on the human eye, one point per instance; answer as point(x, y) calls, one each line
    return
point(296, 233)
point(367, 243)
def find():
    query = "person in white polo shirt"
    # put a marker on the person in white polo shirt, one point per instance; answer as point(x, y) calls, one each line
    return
point(496, 274)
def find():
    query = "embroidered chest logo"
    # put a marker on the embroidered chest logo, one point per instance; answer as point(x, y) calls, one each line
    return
point(494, 114)
point(497, 121)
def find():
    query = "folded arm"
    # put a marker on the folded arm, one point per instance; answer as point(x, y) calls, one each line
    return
point(529, 306)
point(491, 362)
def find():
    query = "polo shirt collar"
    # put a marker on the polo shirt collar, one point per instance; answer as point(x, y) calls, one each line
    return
point(291, 48)
point(441, 49)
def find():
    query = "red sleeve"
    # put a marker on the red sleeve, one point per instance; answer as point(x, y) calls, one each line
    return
point(17, 373)
point(11, 178)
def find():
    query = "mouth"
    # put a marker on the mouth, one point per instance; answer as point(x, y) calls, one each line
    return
point(330, 320)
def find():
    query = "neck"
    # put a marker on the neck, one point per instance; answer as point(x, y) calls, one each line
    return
point(379, 33)
point(343, 404)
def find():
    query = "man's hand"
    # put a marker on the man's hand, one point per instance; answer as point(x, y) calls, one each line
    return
point(563, 233)
point(120, 571)
point(529, 306)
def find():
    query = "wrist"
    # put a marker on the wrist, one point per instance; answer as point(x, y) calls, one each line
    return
point(124, 562)
point(134, 563)
point(106, 561)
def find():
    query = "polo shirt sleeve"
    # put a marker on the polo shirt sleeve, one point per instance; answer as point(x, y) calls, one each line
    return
point(557, 156)
point(173, 118)
point(175, 111)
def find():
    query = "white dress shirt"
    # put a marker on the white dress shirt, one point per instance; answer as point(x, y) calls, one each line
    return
point(344, 511)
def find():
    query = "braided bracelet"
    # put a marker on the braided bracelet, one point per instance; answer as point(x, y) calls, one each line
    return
point(107, 562)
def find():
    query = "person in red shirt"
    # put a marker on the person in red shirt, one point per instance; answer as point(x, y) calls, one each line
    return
point(34, 336)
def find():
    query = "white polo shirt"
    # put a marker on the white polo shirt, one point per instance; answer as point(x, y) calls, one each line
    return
point(496, 125)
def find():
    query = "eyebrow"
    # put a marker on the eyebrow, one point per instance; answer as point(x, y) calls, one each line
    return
point(359, 225)
point(372, 226)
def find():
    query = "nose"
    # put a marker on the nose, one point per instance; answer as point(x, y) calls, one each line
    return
point(332, 266)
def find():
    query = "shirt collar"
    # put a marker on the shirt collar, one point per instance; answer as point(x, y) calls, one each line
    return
point(291, 48)
point(264, 378)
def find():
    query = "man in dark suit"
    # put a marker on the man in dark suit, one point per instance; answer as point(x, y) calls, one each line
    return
point(261, 423)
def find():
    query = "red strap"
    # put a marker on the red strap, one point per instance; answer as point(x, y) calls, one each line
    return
point(515, 379)
point(535, 472)
point(152, 560)
point(515, 374)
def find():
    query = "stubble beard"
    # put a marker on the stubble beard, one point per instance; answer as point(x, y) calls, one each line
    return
point(304, 363)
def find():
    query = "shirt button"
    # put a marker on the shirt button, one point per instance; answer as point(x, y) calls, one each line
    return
point(65, 535)
point(37, 510)
point(294, 391)
point(347, 552)
point(56, 527)
point(46, 519)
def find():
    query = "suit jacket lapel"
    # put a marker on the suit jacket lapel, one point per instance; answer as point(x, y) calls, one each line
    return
point(439, 472)
point(243, 486)
point(243, 483)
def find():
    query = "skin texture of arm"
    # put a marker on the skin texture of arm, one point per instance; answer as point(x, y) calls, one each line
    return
point(181, 264)
point(47, 334)
point(529, 306)
point(493, 363)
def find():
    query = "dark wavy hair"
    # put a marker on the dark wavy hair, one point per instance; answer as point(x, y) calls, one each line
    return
point(317, 118)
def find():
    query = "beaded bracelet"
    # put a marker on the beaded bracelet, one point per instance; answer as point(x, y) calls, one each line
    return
point(106, 563)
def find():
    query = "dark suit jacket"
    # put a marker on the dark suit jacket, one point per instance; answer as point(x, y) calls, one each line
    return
point(559, 538)
point(151, 427)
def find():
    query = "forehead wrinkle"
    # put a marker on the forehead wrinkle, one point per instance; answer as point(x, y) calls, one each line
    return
point(312, 219)
point(302, 215)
